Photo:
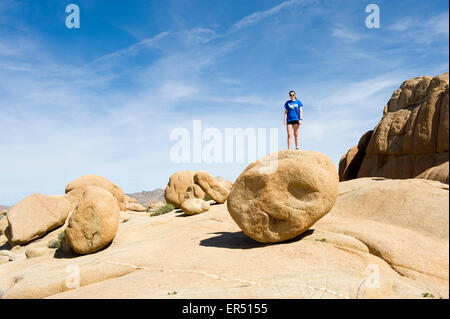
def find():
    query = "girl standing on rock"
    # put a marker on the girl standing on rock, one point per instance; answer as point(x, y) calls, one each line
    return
point(293, 118)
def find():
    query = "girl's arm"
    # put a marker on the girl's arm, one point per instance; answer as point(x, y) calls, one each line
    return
point(285, 116)
point(301, 113)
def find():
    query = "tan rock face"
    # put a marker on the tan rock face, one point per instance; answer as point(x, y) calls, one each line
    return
point(95, 221)
point(437, 173)
point(194, 191)
point(282, 205)
point(413, 134)
point(227, 184)
point(216, 190)
point(194, 206)
point(75, 189)
point(176, 188)
point(34, 216)
point(351, 161)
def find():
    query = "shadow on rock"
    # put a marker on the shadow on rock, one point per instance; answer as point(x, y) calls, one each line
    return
point(5, 246)
point(68, 253)
point(238, 240)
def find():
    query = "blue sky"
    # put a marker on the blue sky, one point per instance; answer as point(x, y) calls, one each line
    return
point(104, 98)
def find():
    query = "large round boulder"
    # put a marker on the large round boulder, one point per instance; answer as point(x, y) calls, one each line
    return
point(95, 221)
point(280, 203)
point(76, 188)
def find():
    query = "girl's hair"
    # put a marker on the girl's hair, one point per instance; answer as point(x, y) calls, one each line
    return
point(292, 91)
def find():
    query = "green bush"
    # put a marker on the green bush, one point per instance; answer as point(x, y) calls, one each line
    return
point(427, 295)
point(207, 197)
point(56, 243)
point(163, 210)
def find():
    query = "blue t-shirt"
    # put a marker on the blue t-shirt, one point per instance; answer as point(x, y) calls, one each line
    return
point(293, 108)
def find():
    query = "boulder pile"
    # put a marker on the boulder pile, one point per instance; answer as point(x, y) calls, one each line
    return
point(411, 138)
point(193, 186)
point(90, 209)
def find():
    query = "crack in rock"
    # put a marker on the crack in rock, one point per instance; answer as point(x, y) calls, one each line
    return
point(218, 277)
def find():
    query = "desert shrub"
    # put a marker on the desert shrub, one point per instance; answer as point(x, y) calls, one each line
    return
point(56, 243)
point(163, 210)
point(207, 197)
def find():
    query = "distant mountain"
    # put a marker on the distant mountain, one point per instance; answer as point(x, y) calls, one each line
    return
point(145, 196)
point(8, 207)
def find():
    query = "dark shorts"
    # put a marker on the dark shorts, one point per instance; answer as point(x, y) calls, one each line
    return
point(293, 122)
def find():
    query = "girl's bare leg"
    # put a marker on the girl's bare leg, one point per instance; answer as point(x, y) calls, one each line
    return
point(289, 134)
point(296, 135)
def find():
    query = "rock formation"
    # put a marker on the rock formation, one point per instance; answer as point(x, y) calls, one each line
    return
point(34, 216)
point(403, 240)
point(351, 161)
point(192, 184)
point(282, 205)
point(412, 136)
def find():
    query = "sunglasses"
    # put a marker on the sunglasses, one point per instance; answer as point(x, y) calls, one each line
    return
point(291, 94)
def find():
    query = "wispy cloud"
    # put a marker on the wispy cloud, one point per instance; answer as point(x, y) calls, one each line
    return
point(402, 24)
point(424, 31)
point(258, 16)
point(113, 116)
point(345, 34)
